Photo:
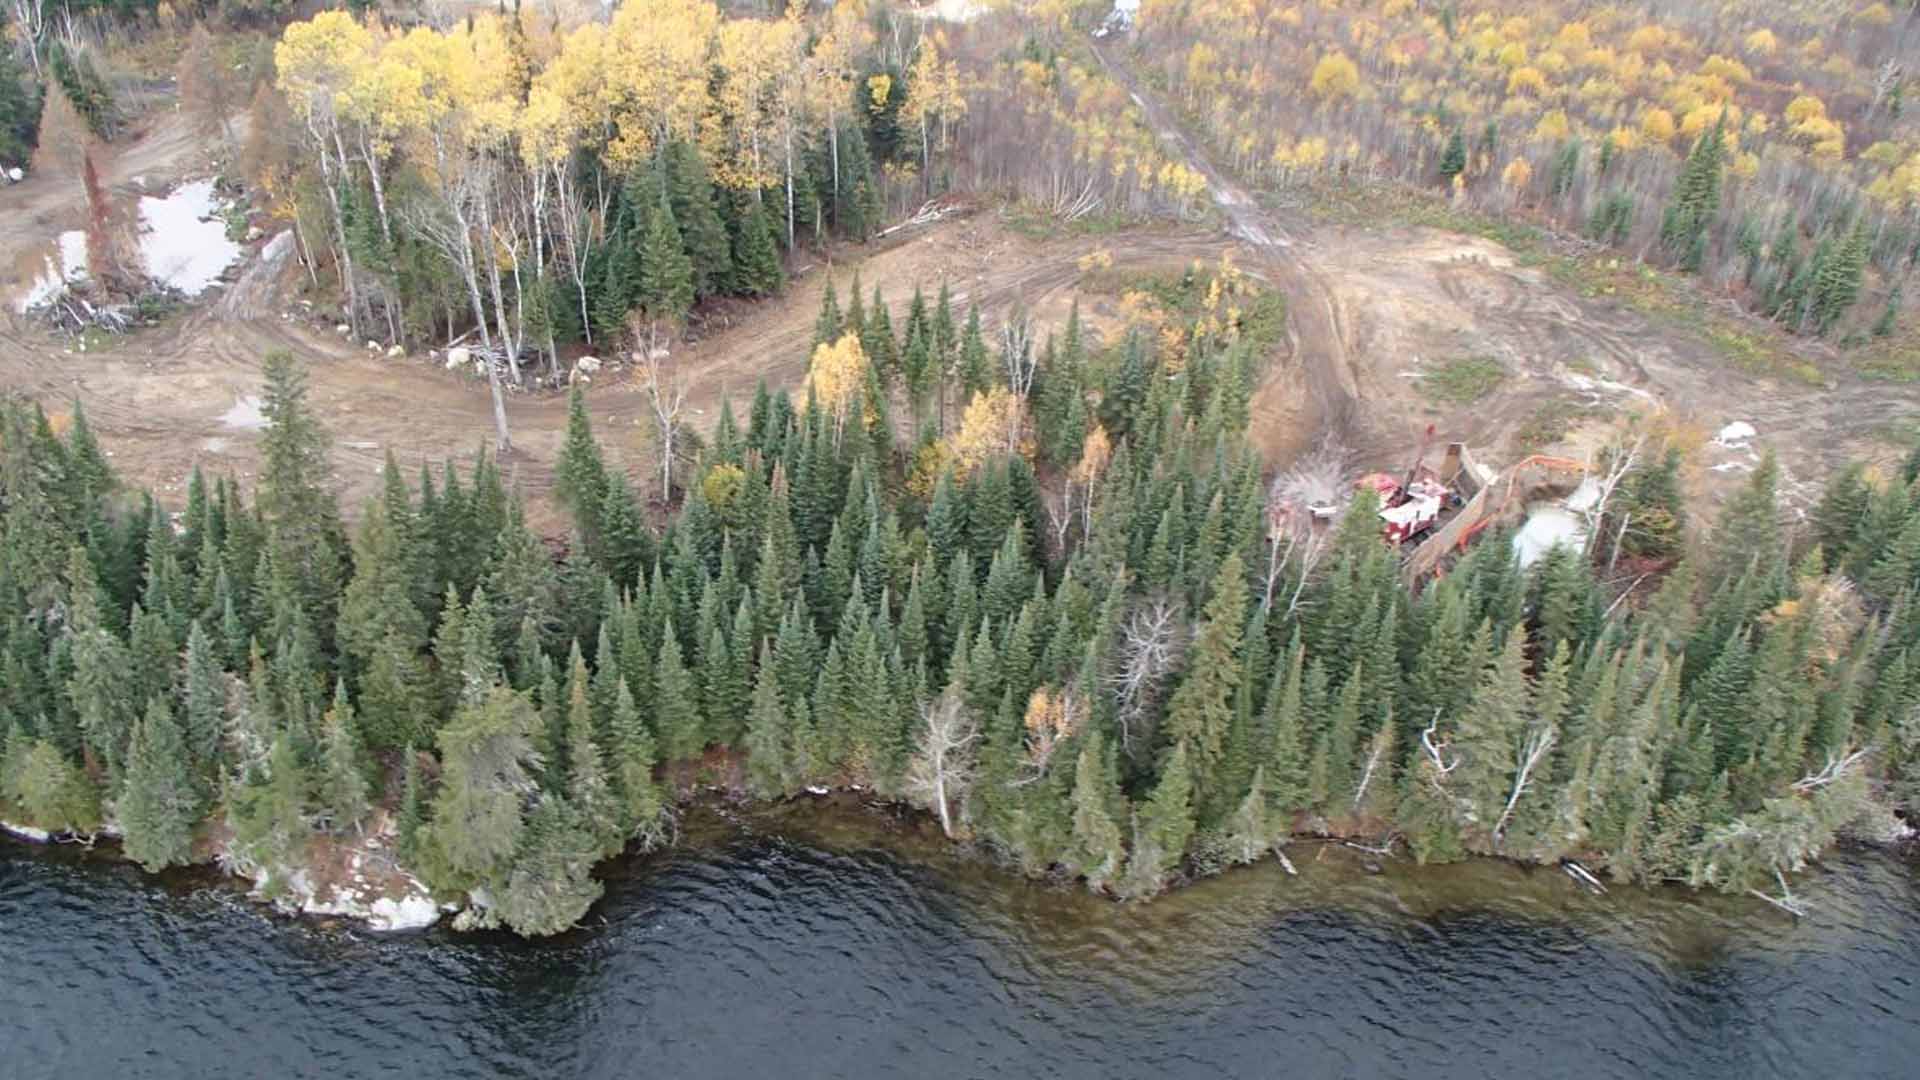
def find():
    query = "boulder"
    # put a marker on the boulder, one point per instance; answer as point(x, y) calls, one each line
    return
point(458, 357)
point(395, 352)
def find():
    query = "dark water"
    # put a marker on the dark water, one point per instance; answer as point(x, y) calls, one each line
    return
point(837, 947)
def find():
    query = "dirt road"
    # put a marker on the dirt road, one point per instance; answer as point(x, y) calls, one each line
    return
point(169, 398)
point(1374, 315)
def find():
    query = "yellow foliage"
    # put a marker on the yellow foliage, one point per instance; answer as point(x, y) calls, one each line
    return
point(1746, 165)
point(1553, 126)
point(1726, 68)
point(1803, 108)
point(992, 426)
point(1335, 77)
point(879, 89)
point(1393, 9)
point(1516, 28)
point(1762, 42)
point(1647, 39)
point(837, 375)
point(1874, 15)
point(1517, 175)
point(1095, 453)
point(1095, 260)
point(1527, 80)
point(1625, 139)
point(1511, 55)
point(1658, 126)
point(1574, 37)
point(1900, 187)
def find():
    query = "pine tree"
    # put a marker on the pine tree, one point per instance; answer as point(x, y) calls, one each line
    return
point(756, 259)
point(1695, 199)
point(588, 792)
point(676, 703)
point(642, 803)
point(1453, 160)
point(580, 473)
point(766, 737)
point(666, 286)
point(343, 781)
point(1098, 849)
point(1202, 707)
point(1162, 828)
point(1837, 285)
point(157, 807)
point(703, 236)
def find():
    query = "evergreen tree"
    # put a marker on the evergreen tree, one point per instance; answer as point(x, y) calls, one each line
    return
point(1162, 828)
point(343, 787)
point(666, 285)
point(157, 806)
point(1453, 160)
point(1098, 849)
point(1695, 199)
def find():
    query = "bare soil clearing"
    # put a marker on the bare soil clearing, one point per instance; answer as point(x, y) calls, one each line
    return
point(1373, 314)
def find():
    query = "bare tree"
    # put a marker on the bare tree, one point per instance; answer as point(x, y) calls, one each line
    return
point(1016, 352)
point(667, 397)
point(1540, 741)
point(942, 770)
point(444, 222)
point(1152, 641)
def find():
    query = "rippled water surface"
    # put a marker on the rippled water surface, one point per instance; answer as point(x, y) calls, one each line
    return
point(837, 947)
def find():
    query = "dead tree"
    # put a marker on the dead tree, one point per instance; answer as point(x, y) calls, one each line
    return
point(667, 398)
point(1016, 353)
point(942, 770)
point(1151, 643)
point(1540, 742)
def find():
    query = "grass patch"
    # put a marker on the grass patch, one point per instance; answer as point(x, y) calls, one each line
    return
point(1895, 359)
point(1549, 424)
point(1369, 205)
point(1463, 380)
point(1036, 222)
point(1180, 296)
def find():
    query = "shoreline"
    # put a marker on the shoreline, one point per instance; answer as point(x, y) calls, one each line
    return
point(901, 830)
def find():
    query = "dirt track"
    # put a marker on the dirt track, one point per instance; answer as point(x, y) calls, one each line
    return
point(1371, 313)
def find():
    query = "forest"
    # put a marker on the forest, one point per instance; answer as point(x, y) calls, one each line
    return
point(532, 183)
point(1075, 630)
point(1771, 149)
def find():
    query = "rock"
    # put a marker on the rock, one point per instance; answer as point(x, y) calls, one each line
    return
point(459, 356)
point(14, 175)
point(372, 345)
point(255, 232)
point(588, 364)
point(343, 329)
point(395, 352)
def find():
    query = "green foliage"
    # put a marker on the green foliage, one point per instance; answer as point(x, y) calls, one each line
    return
point(1463, 380)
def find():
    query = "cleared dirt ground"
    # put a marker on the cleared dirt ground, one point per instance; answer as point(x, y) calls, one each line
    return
point(1373, 314)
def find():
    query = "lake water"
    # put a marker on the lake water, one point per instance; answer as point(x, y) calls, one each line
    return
point(805, 943)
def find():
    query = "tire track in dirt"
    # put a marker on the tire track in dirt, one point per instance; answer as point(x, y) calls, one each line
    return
point(1317, 328)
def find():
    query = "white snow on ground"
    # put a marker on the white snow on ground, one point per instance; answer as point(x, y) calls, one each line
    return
point(1735, 435)
point(182, 243)
point(26, 832)
point(957, 11)
point(1547, 527)
point(66, 262)
point(415, 911)
point(245, 414)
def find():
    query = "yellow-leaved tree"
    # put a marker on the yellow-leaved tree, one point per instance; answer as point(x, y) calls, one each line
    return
point(837, 376)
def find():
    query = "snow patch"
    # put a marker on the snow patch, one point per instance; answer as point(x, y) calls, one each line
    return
point(183, 243)
point(1735, 436)
point(245, 414)
point(26, 832)
point(414, 911)
point(65, 264)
